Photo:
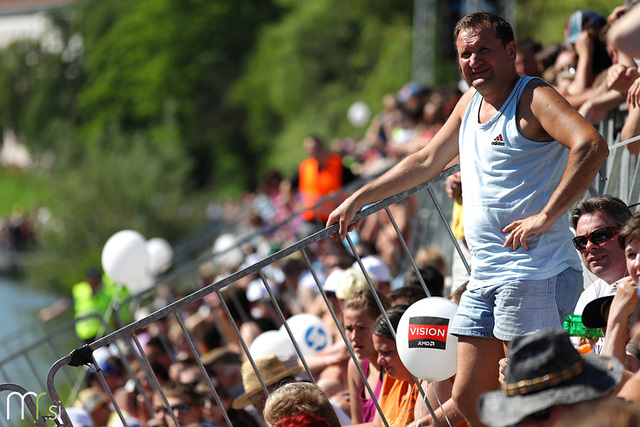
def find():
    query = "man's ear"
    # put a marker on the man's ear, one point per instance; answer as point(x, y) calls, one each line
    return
point(512, 50)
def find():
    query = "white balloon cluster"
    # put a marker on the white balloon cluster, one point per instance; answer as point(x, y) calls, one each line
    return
point(129, 259)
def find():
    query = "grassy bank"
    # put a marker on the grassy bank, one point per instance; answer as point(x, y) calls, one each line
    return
point(23, 190)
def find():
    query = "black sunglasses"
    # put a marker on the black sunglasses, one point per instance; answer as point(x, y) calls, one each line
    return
point(597, 237)
point(183, 408)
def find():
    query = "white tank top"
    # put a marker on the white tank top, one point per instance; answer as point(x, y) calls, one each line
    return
point(508, 177)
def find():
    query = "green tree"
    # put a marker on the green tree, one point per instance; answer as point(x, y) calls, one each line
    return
point(39, 82)
point(141, 55)
point(550, 18)
point(310, 66)
point(119, 181)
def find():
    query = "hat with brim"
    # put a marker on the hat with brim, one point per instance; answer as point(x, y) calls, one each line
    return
point(271, 371)
point(594, 313)
point(376, 267)
point(582, 20)
point(545, 370)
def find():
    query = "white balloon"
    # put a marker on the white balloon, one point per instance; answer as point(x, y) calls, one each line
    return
point(160, 255)
point(141, 284)
point(424, 343)
point(309, 331)
point(125, 257)
point(359, 114)
point(229, 252)
point(272, 342)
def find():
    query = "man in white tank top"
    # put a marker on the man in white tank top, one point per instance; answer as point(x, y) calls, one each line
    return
point(526, 156)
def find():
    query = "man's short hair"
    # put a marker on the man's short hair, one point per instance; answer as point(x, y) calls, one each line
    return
point(630, 230)
point(617, 210)
point(503, 30)
point(186, 392)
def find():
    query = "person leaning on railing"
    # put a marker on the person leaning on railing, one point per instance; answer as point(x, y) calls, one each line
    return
point(526, 157)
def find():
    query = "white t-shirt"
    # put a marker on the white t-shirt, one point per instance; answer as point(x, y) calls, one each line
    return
point(598, 289)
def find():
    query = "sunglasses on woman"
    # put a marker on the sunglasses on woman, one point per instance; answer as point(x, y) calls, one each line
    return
point(597, 237)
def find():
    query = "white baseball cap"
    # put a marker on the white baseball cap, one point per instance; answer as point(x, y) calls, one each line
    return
point(376, 267)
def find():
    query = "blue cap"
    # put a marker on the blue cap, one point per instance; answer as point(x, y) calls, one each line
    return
point(407, 92)
point(580, 21)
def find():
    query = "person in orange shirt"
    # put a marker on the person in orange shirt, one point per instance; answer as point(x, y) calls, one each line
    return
point(401, 400)
point(318, 180)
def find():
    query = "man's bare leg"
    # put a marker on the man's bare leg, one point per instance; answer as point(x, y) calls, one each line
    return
point(477, 373)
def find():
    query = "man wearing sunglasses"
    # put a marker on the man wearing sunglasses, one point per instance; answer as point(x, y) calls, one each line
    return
point(185, 403)
point(597, 221)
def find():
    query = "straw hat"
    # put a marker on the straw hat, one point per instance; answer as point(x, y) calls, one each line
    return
point(271, 370)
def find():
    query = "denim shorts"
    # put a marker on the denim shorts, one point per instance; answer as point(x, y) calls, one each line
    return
point(506, 310)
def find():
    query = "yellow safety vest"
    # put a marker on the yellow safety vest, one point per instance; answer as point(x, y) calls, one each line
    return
point(84, 302)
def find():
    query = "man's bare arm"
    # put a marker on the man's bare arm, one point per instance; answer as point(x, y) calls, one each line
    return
point(413, 170)
point(588, 150)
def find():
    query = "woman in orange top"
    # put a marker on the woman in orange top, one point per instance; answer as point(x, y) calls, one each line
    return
point(400, 399)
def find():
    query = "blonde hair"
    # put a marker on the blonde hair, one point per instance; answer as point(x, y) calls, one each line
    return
point(352, 281)
point(296, 398)
point(365, 300)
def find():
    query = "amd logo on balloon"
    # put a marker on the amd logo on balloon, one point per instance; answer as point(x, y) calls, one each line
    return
point(428, 332)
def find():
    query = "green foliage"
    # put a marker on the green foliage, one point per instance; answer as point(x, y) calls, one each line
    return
point(22, 190)
point(119, 182)
point(550, 18)
point(309, 67)
point(143, 54)
point(165, 98)
point(39, 83)
point(17, 81)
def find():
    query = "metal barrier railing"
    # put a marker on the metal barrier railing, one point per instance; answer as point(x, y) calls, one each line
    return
point(21, 366)
point(83, 355)
point(25, 398)
point(619, 176)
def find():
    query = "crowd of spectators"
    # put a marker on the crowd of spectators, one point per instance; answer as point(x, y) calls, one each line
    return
point(596, 71)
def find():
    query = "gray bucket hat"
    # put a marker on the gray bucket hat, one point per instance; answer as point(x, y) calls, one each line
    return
point(545, 370)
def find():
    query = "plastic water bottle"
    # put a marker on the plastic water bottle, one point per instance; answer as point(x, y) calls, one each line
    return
point(574, 326)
